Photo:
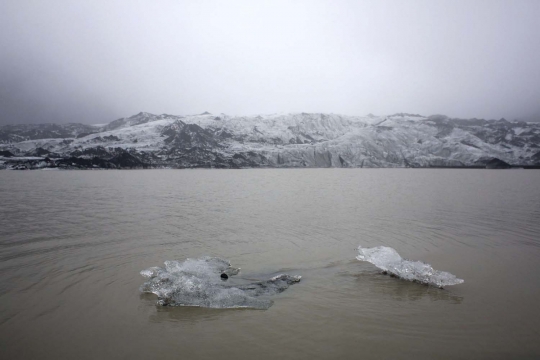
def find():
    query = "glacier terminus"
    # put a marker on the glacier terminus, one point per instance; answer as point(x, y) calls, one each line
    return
point(279, 140)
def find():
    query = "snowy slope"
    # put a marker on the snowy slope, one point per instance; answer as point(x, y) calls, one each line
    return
point(279, 140)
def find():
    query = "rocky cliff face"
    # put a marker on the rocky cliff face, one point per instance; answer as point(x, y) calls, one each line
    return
point(280, 140)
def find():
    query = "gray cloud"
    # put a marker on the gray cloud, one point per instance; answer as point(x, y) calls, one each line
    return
point(94, 61)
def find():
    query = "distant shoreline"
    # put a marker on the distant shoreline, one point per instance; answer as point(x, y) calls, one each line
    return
point(26, 166)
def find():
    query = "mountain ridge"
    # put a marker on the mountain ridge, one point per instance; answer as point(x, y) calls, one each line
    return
point(277, 140)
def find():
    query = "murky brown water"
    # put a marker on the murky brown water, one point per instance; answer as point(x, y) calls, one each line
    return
point(72, 245)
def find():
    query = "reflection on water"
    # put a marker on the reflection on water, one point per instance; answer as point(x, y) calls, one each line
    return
point(190, 314)
point(402, 290)
point(72, 245)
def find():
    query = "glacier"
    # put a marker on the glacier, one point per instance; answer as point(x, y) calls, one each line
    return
point(389, 261)
point(201, 282)
point(146, 140)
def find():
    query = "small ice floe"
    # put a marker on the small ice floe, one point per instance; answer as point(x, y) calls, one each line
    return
point(204, 282)
point(388, 260)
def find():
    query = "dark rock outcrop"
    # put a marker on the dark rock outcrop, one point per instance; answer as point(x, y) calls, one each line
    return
point(185, 136)
point(497, 164)
point(38, 152)
point(6, 153)
point(125, 160)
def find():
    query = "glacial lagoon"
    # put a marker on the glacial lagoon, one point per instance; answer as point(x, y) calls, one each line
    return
point(73, 245)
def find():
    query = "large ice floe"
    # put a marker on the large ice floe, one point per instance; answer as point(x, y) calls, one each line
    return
point(389, 261)
point(205, 282)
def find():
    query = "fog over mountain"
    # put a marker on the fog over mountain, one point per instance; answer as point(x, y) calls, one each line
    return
point(95, 61)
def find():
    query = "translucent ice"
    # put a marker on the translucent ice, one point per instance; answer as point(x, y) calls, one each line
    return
point(388, 260)
point(198, 282)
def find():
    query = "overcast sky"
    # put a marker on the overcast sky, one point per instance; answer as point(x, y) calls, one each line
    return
point(95, 61)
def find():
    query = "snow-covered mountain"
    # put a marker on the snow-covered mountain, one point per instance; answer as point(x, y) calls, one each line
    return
point(277, 140)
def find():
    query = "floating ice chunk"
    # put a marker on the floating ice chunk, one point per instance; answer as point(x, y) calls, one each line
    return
point(151, 272)
point(198, 282)
point(388, 260)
